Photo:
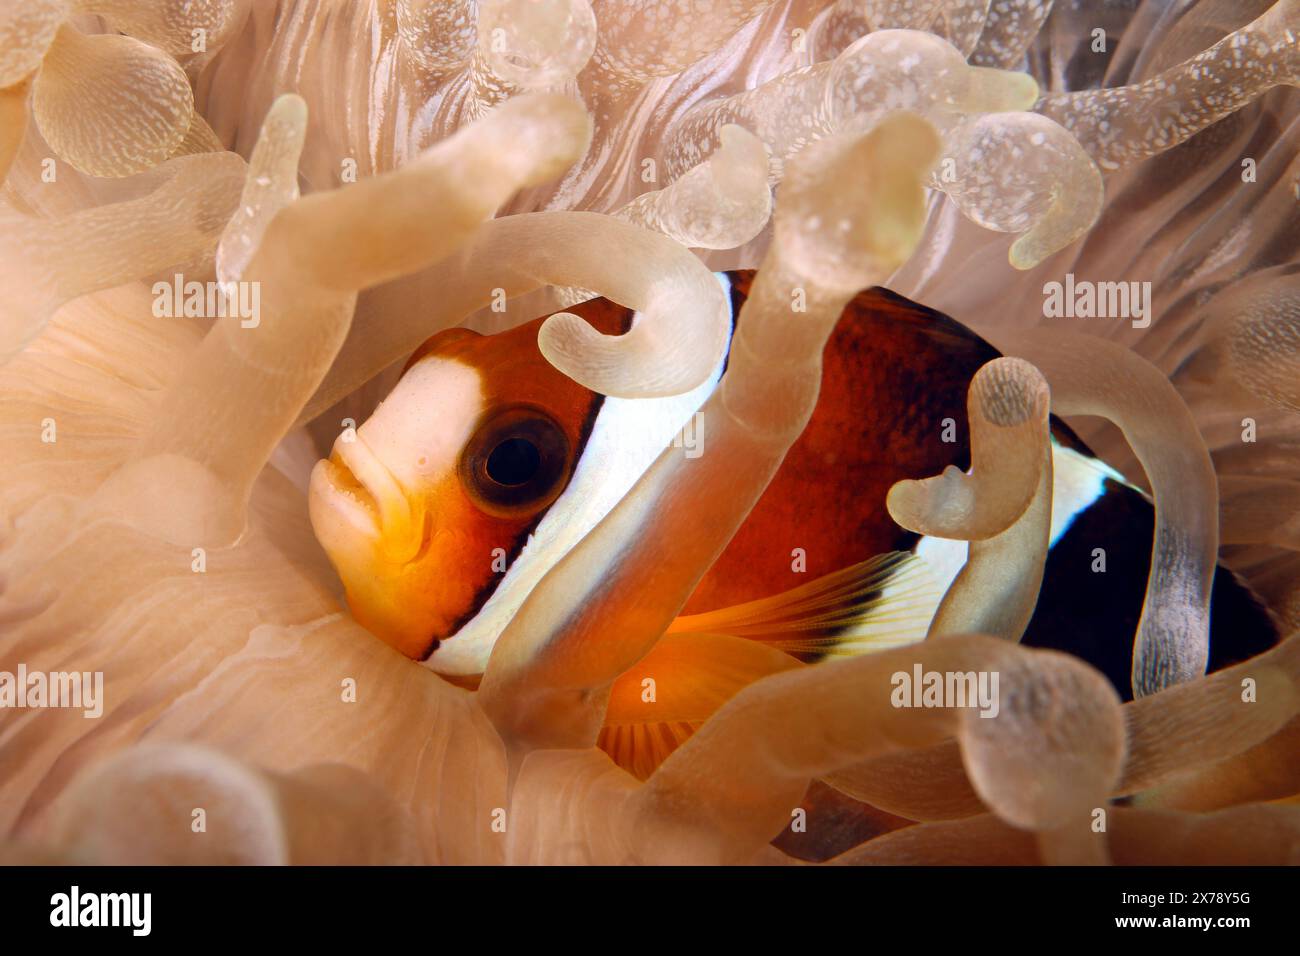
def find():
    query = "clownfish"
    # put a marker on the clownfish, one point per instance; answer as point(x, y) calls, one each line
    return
point(486, 464)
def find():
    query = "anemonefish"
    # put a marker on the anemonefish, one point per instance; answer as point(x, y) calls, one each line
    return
point(485, 465)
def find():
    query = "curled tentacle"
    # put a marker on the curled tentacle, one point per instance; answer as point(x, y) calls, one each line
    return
point(1004, 509)
point(1007, 407)
point(551, 669)
point(1021, 172)
point(674, 348)
point(1090, 376)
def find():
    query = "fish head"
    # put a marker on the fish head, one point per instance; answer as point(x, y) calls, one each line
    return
point(425, 508)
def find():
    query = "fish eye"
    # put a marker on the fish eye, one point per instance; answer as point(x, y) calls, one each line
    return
point(517, 461)
point(514, 462)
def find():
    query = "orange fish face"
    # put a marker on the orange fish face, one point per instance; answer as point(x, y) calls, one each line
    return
point(431, 505)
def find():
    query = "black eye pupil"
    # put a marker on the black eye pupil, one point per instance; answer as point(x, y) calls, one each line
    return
point(514, 462)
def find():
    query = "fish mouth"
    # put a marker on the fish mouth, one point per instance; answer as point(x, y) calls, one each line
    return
point(371, 500)
point(334, 484)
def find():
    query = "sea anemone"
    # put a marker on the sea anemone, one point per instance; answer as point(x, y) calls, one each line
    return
point(381, 170)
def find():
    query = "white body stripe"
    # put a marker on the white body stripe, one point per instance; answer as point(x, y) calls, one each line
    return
point(626, 438)
point(1077, 482)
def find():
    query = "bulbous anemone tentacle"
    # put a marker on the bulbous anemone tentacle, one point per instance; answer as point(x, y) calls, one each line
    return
point(535, 44)
point(1259, 511)
point(1009, 30)
point(675, 346)
point(722, 203)
point(1023, 173)
point(1004, 509)
point(587, 622)
point(399, 222)
point(962, 23)
point(1007, 407)
point(1122, 125)
point(1184, 730)
point(1006, 169)
point(888, 15)
point(26, 32)
point(878, 73)
point(1048, 758)
point(271, 184)
point(95, 121)
point(1252, 332)
point(526, 44)
point(1190, 727)
point(1090, 376)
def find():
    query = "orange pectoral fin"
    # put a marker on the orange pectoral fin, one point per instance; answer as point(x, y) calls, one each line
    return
point(659, 702)
point(704, 659)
